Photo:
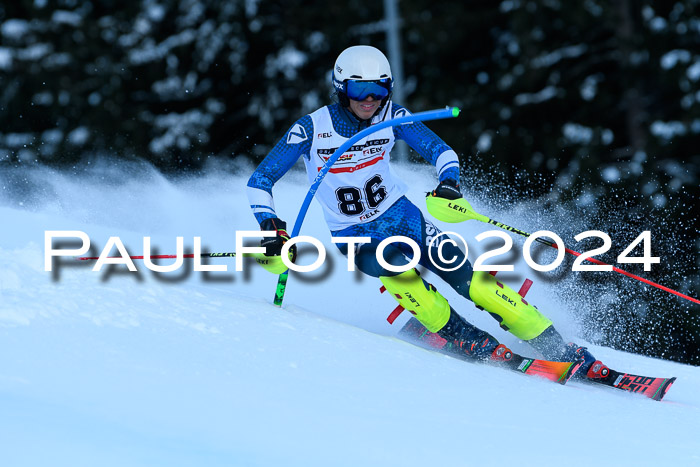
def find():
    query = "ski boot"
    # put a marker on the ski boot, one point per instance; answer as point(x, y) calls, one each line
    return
point(552, 346)
point(461, 339)
point(466, 341)
point(591, 368)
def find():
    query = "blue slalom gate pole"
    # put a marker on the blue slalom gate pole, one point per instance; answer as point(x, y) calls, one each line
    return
point(447, 112)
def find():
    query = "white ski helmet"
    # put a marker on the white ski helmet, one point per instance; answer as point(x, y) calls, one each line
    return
point(362, 63)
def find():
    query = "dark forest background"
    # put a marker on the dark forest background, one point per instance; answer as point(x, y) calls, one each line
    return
point(592, 107)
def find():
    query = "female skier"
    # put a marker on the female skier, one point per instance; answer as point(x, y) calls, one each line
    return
point(362, 197)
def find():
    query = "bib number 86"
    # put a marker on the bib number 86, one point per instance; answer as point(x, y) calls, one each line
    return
point(350, 199)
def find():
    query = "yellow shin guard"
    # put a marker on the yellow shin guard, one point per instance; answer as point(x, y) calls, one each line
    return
point(420, 298)
point(509, 308)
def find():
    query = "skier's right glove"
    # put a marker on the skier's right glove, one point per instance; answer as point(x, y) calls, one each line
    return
point(273, 245)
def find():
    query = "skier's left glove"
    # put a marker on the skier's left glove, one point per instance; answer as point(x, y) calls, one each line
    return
point(273, 245)
point(448, 189)
point(445, 203)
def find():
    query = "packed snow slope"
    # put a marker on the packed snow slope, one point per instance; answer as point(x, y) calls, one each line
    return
point(116, 368)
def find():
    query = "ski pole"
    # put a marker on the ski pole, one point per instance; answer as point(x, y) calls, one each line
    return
point(447, 112)
point(273, 264)
point(202, 255)
point(471, 214)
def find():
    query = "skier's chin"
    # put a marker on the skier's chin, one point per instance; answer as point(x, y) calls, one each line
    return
point(365, 114)
point(364, 110)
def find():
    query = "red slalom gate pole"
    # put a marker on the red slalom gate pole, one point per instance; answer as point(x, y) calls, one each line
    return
point(622, 271)
point(593, 260)
point(471, 214)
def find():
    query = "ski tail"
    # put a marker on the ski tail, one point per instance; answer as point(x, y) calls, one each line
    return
point(559, 372)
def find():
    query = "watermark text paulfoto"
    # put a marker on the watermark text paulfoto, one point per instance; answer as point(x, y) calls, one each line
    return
point(435, 248)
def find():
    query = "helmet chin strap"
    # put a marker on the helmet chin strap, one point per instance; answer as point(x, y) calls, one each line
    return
point(342, 99)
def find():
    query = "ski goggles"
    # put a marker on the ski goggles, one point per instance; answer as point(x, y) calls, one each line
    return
point(361, 90)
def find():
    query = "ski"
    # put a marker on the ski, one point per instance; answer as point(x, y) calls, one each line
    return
point(651, 387)
point(559, 372)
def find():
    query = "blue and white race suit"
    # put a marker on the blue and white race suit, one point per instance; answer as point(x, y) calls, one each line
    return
point(361, 196)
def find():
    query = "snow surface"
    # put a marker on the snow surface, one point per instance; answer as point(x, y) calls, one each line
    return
point(193, 369)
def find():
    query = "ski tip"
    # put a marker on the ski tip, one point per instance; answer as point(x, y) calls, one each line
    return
point(663, 389)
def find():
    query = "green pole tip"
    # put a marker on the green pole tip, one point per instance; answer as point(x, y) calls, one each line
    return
point(455, 111)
